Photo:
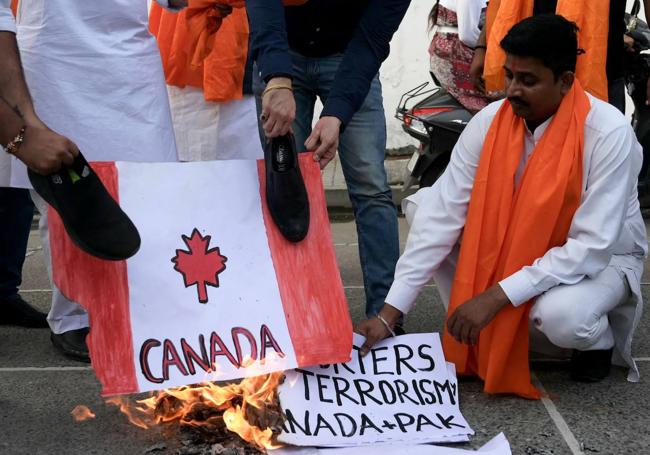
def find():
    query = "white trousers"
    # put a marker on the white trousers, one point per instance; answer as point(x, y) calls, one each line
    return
point(213, 131)
point(64, 315)
point(566, 316)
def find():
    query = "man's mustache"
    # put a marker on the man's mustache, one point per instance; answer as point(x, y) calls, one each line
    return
point(517, 100)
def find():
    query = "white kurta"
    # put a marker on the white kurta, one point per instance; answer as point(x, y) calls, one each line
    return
point(95, 75)
point(607, 229)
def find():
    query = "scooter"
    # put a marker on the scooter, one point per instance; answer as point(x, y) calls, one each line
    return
point(436, 121)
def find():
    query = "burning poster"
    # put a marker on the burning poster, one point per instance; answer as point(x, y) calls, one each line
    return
point(215, 292)
point(402, 391)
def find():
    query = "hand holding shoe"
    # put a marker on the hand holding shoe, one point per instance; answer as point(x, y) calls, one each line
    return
point(278, 107)
point(44, 151)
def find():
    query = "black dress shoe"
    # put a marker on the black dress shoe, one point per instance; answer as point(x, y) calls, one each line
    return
point(90, 215)
point(591, 366)
point(72, 344)
point(286, 195)
point(15, 311)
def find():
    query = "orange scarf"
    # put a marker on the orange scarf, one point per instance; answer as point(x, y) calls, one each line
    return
point(187, 46)
point(509, 226)
point(14, 6)
point(592, 17)
point(189, 55)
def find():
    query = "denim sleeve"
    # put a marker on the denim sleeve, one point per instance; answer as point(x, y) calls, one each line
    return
point(268, 37)
point(364, 55)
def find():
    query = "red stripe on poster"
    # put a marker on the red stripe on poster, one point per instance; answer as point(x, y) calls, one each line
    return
point(102, 287)
point(309, 280)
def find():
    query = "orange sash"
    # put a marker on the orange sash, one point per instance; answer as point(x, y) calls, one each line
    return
point(188, 51)
point(592, 17)
point(508, 227)
point(187, 46)
point(14, 6)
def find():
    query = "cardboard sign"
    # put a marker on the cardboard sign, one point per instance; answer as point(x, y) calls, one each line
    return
point(215, 292)
point(403, 390)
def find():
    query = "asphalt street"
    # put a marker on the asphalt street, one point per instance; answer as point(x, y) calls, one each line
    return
point(40, 388)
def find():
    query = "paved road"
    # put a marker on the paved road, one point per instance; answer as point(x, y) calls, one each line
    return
point(40, 388)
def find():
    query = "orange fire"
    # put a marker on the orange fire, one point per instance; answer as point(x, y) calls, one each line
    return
point(233, 406)
point(81, 413)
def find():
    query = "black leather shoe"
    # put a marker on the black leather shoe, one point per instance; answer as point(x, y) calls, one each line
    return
point(15, 311)
point(591, 366)
point(286, 195)
point(91, 217)
point(72, 344)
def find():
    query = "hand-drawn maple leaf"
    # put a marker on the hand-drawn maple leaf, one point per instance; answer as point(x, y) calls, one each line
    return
point(199, 265)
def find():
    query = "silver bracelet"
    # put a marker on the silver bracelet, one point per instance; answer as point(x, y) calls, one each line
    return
point(383, 321)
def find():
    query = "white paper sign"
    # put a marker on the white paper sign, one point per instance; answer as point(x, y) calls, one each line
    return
point(496, 446)
point(403, 390)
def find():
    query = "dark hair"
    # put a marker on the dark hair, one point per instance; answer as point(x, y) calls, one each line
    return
point(433, 14)
point(548, 37)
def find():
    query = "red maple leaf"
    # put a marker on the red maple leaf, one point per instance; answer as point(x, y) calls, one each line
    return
point(199, 265)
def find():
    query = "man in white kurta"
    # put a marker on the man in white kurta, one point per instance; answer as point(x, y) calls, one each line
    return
point(586, 292)
point(95, 74)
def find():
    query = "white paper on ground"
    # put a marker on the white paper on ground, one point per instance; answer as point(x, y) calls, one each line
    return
point(403, 390)
point(498, 445)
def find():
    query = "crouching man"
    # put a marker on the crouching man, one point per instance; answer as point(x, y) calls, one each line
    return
point(534, 230)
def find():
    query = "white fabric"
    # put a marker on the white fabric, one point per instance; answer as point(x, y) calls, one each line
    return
point(95, 74)
point(7, 23)
point(468, 13)
point(64, 315)
point(213, 131)
point(607, 228)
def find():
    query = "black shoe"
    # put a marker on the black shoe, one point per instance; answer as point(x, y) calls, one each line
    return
point(591, 366)
point(72, 344)
point(90, 215)
point(286, 195)
point(15, 311)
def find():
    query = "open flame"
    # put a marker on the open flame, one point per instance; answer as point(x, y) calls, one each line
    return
point(249, 408)
point(81, 413)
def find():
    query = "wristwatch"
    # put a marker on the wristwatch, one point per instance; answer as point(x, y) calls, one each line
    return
point(13, 145)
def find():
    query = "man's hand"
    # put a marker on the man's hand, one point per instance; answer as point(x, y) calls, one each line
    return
point(44, 151)
point(324, 138)
point(476, 69)
point(374, 330)
point(472, 316)
point(278, 108)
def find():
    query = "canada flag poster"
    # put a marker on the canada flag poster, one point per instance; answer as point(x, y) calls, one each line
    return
point(215, 292)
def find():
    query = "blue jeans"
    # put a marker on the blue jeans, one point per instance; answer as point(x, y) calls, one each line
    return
point(362, 148)
point(16, 212)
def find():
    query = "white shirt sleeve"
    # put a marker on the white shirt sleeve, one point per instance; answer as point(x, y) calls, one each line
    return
point(469, 14)
point(7, 22)
point(438, 216)
point(596, 225)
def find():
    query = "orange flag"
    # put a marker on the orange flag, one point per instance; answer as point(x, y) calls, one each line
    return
point(592, 17)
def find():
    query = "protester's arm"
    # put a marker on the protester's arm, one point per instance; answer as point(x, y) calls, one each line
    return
point(596, 225)
point(42, 150)
point(270, 49)
point(436, 226)
point(478, 62)
point(364, 55)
